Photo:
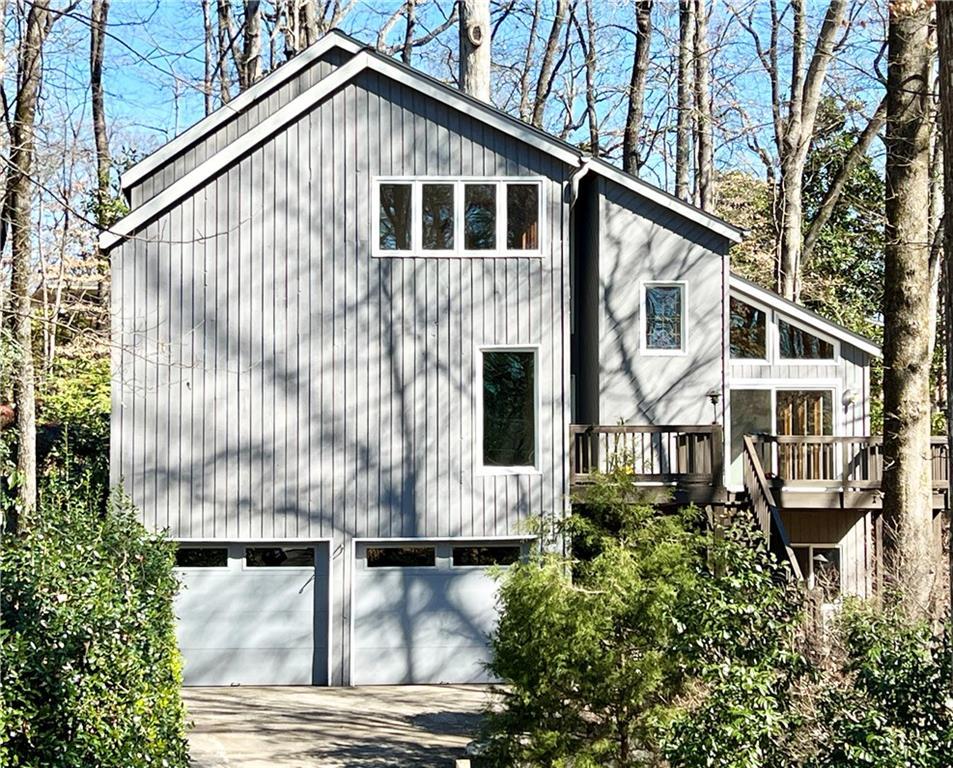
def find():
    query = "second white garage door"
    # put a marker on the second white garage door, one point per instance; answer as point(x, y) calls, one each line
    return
point(423, 611)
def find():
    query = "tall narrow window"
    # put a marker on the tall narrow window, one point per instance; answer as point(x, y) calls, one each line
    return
point(395, 217)
point(522, 217)
point(664, 317)
point(805, 412)
point(479, 217)
point(797, 344)
point(509, 408)
point(437, 212)
point(748, 331)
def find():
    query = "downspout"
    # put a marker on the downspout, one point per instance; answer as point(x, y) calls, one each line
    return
point(585, 163)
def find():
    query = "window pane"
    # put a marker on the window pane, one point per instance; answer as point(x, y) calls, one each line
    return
point(522, 217)
point(201, 557)
point(750, 415)
point(509, 409)
point(748, 326)
point(437, 212)
point(805, 413)
point(663, 317)
point(485, 556)
point(279, 557)
point(797, 344)
point(826, 561)
point(803, 557)
point(401, 557)
point(479, 217)
point(395, 217)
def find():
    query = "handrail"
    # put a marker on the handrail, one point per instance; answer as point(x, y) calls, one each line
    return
point(848, 463)
point(765, 508)
point(664, 454)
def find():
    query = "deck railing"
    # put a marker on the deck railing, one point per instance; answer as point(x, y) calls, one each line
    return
point(764, 506)
point(667, 455)
point(848, 463)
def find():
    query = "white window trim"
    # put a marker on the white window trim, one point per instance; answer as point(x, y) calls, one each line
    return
point(416, 209)
point(811, 546)
point(786, 361)
point(481, 469)
point(770, 334)
point(643, 318)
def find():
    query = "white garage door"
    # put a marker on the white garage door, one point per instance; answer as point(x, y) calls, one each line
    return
point(253, 614)
point(423, 611)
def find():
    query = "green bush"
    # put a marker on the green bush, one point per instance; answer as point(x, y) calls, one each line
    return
point(892, 702)
point(88, 661)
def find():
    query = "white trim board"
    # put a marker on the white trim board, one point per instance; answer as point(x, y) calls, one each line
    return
point(781, 306)
point(236, 106)
point(366, 59)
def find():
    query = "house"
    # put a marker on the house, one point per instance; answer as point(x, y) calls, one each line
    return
point(359, 319)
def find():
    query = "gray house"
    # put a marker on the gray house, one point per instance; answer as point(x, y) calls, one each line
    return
point(357, 315)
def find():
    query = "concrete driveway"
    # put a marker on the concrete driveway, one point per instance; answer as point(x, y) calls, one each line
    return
point(246, 727)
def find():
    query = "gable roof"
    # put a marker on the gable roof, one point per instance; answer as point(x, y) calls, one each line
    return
point(746, 288)
point(363, 59)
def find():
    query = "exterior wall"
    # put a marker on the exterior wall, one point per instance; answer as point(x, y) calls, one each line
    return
point(851, 530)
point(241, 123)
point(640, 241)
point(272, 380)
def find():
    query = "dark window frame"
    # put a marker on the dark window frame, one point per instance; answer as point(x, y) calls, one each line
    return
point(398, 548)
point(201, 548)
point(483, 549)
point(247, 548)
point(493, 467)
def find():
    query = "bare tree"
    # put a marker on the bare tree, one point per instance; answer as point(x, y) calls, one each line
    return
point(549, 67)
point(907, 507)
point(704, 176)
point(475, 48)
point(684, 116)
point(226, 47)
point(249, 70)
point(17, 217)
point(587, 41)
point(97, 40)
point(631, 160)
point(207, 81)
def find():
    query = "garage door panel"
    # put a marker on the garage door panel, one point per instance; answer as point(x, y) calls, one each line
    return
point(254, 626)
point(210, 666)
point(422, 625)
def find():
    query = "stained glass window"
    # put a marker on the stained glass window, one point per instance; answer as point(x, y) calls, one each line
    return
point(663, 317)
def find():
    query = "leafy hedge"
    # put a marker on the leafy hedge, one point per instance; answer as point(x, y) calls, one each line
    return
point(89, 668)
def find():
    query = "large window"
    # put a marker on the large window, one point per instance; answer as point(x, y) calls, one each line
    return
point(748, 331)
point(458, 217)
point(794, 343)
point(664, 306)
point(805, 412)
point(509, 408)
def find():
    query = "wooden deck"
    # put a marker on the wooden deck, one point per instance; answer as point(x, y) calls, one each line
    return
point(684, 462)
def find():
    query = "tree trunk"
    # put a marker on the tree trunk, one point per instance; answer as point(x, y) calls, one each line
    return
point(631, 161)
point(944, 33)
point(592, 67)
point(224, 48)
point(547, 69)
point(410, 14)
point(250, 71)
point(805, 96)
point(683, 131)
point(209, 67)
point(97, 39)
point(17, 211)
point(908, 520)
point(703, 142)
point(475, 48)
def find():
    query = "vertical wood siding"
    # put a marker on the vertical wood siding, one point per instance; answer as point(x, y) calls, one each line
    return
point(640, 242)
point(273, 380)
point(241, 123)
point(851, 530)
